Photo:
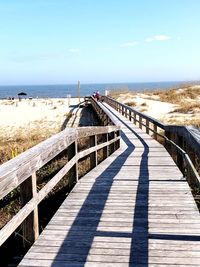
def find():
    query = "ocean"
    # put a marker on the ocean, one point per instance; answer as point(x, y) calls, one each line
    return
point(57, 91)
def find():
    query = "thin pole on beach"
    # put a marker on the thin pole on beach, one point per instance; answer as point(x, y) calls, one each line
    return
point(78, 91)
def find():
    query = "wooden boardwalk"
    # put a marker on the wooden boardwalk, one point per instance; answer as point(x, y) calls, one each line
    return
point(134, 209)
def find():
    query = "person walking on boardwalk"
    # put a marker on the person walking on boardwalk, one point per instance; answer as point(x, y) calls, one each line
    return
point(97, 95)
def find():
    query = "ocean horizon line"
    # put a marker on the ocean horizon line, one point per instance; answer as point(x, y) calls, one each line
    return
point(103, 83)
point(64, 90)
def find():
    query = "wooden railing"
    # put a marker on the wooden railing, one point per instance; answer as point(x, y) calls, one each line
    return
point(183, 143)
point(105, 117)
point(21, 171)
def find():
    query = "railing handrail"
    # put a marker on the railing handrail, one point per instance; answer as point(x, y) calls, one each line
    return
point(34, 158)
point(144, 116)
point(191, 133)
point(112, 118)
point(22, 170)
point(187, 134)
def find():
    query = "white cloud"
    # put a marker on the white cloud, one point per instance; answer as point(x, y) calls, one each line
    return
point(74, 50)
point(158, 38)
point(129, 44)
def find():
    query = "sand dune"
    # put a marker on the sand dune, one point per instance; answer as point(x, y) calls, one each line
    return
point(183, 112)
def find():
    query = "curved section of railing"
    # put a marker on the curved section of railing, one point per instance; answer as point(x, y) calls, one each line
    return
point(183, 143)
point(21, 171)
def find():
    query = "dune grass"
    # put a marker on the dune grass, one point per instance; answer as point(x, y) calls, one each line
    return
point(23, 139)
point(131, 103)
point(187, 122)
point(185, 97)
point(188, 108)
point(177, 95)
point(114, 93)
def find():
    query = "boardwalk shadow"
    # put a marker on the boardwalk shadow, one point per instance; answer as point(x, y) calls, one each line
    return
point(78, 241)
point(64, 125)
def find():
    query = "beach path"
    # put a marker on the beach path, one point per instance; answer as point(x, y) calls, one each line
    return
point(134, 209)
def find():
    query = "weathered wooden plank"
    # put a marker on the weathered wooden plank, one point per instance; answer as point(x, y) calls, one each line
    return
point(153, 244)
point(57, 263)
point(113, 251)
point(30, 226)
point(15, 171)
point(162, 220)
point(113, 258)
point(124, 208)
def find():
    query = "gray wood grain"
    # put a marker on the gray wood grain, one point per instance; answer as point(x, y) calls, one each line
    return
point(133, 209)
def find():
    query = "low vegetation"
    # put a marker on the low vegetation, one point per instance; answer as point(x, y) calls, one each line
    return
point(177, 95)
point(186, 122)
point(187, 107)
point(23, 139)
point(184, 101)
point(12, 146)
point(114, 93)
point(131, 104)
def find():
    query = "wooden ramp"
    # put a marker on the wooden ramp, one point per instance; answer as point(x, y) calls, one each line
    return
point(134, 209)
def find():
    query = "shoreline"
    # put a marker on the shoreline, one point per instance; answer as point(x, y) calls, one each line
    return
point(62, 90)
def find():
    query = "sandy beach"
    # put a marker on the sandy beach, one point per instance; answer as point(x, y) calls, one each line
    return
point(25, 123)
point(50, 113)
point(30, 114)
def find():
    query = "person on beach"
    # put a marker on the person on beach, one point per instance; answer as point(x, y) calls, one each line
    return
point(97, 95)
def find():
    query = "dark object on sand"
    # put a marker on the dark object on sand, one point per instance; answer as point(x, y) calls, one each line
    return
point(21, 94)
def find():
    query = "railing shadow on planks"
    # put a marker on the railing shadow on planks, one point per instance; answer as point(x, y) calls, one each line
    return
point(21, 171)
point(183, 143)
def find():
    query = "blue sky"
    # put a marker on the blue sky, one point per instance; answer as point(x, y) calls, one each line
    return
point(62, 41)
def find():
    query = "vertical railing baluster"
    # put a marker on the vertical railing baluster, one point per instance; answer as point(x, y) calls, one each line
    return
point(105, 149)
point(129, 115)
point(155, 132)
point(30, 226)
point(147, 126)
point(93, 155)
point(140, 122)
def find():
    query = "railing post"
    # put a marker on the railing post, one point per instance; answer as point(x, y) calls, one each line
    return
point(129, 115)
point(155, 132)
point(140, 122)
point(120, 108)
point(168, 146)
point(72, 151)
point(123, 110)
point(76, 164)
point(93, 155)
point(126, 115)
point(134, 119)
point(30, 226)
point(111, 146)
point(180, 163)
point(147, 126)
point(105, 149)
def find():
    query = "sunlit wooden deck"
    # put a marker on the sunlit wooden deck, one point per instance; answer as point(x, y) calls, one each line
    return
point(134, 209)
